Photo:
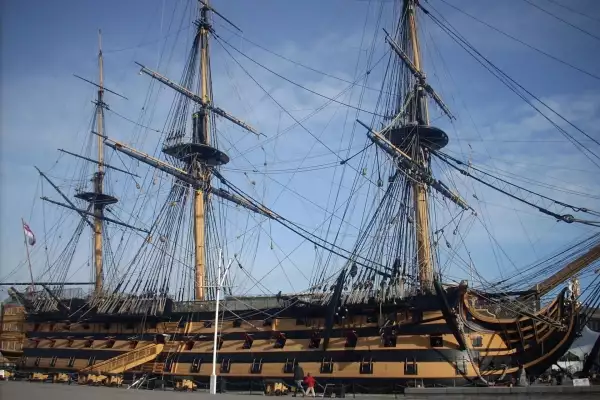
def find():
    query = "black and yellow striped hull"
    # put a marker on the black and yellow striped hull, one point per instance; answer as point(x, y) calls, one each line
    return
point(419, 348)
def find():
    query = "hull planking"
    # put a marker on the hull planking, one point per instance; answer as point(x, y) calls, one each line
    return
point(418, 347)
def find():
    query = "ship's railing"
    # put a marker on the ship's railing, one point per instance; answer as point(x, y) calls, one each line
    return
point(505, 309)
point(231, 304)
point(69, 293)
point(173, 139)
point(126, 361)
point(264, 302)
point(63, 294)
point(153, 304)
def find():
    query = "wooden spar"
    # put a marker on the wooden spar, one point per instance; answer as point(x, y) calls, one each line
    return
point(99, 178)
point(568, 271)
point(184, 177)
point(28, 258)
point(83, 216)
point(200, 171)
point(420, 190)
point(96, 162)
point(197, 99)
point(84, 212)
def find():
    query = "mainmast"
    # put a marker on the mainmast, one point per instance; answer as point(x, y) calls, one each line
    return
point(421, 157)
point(201, 135)
point(99, 176)
point(200, 154)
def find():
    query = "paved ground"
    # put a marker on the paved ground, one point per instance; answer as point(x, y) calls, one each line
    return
point(49, 391)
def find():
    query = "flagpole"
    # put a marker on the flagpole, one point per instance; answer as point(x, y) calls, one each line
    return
point(27, 250)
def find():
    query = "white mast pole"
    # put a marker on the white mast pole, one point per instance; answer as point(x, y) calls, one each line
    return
point(220, 281)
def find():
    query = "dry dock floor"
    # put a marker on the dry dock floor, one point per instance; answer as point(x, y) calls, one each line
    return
point(47, 391)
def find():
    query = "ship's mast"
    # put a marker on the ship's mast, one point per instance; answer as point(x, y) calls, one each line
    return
point(199, 155)
point(99, 176)
point(202, 136)
point(421, 204)
point(97, 199)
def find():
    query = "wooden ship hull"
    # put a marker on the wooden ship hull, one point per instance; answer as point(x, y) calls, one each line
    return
point(12, 331)
point(422, 345)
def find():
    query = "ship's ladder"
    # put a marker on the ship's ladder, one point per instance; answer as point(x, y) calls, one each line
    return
point(158, 364)
point(171, 350)
point(126, 361)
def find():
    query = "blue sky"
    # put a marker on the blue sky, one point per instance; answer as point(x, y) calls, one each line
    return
point(44, 108)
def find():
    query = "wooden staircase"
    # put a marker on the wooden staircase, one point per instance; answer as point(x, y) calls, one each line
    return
point(157, 364)
point(127, 361)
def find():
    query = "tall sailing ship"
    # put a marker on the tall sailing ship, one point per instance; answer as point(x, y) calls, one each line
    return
point(379, 315)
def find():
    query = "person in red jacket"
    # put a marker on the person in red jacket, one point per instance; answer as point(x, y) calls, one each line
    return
point(310, 383)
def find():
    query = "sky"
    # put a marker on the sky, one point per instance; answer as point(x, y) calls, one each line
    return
point(44, 107)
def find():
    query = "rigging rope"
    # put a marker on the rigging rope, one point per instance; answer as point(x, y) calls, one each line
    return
point(443, 156)
point(514, 86)
point(562, 20)
point(516, 39)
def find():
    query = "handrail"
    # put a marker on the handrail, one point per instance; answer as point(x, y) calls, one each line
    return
point(121, 362)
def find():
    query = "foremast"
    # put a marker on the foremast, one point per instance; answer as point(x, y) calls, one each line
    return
point(414, 141)
point(410, 141)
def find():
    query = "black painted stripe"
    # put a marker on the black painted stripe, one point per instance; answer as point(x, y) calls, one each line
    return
point(391, 355)
point(93, 335)
point(283, 310)
point(68, 353)
point(420, 329)
point(387, 355)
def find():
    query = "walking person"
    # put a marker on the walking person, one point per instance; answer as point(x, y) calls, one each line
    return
point(298, 378)
point(310, 385)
